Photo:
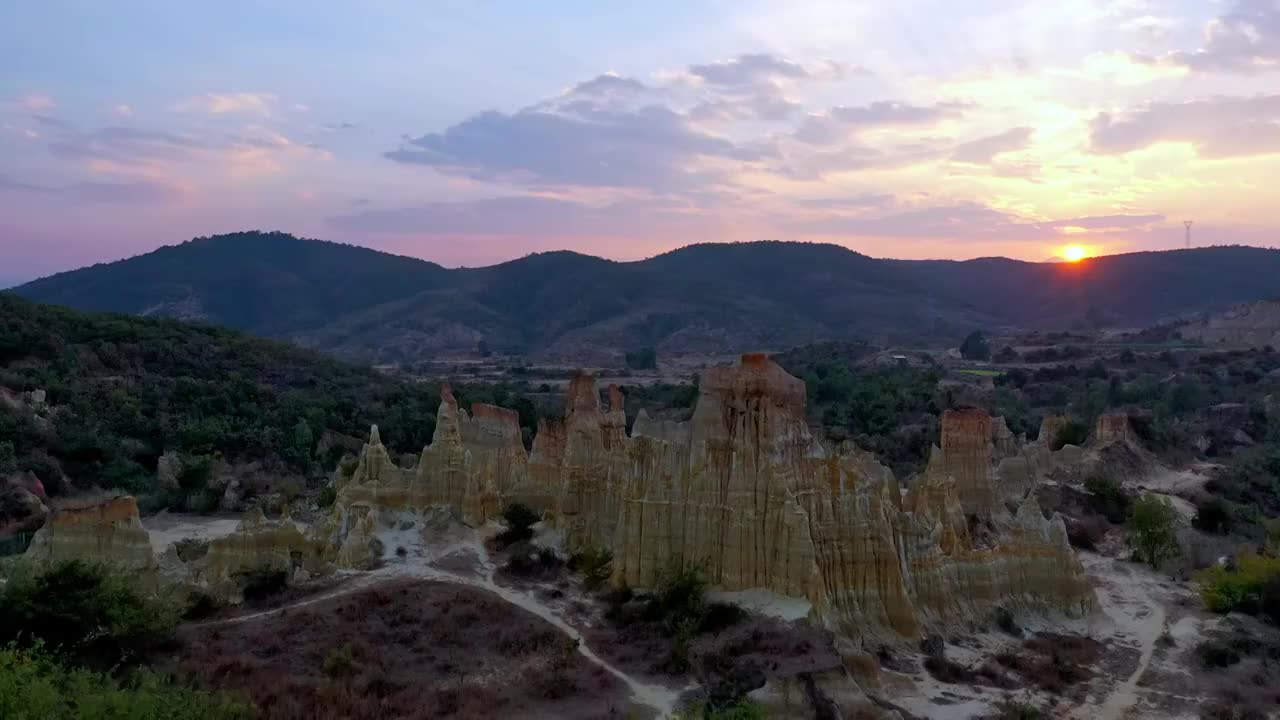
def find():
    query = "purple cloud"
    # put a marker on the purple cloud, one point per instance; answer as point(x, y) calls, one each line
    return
point(1217, 127)
point(984, 150)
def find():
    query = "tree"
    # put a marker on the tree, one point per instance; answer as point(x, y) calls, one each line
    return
point(643, 359)
point(303, 440)
point(975, 347)
point(8, 458)
point(1153, 530)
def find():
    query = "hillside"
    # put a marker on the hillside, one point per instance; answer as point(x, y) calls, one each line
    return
point(89, 399)
point(1248, 325)
point(709, 298)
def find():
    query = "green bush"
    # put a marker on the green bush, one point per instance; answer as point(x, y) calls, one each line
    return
point(975, 347)
point(261, 584)
point(35, 686)
point(85, 611)
point(328, 496)
point(643, 359)
point(340, 661)
point(595, 565)
point(1108, 499)
point(1072, 433)
point(1153, 530)
point(1246, 585)
point(520, 519)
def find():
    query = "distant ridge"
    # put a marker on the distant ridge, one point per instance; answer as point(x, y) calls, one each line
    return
point(703, 298)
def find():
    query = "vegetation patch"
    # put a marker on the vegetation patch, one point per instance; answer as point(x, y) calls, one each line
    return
point(87, 613)
point(37, 685)
point(413, 649)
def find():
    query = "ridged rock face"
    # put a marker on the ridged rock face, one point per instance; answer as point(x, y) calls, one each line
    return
point(109, 531)
point(258, 544)
point(968, 457)
point(744, 491)
point(1113, 428)
point(470, 465)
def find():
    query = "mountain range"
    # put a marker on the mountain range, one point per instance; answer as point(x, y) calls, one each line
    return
point(706, 298)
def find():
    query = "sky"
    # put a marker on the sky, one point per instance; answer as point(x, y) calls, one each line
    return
point(470, 133)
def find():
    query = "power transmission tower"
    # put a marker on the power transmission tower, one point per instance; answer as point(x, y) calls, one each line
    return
point(1188, 223)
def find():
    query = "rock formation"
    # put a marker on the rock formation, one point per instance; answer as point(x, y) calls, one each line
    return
point(105, 531)
point(744, 491)
point(257, 545)
point(1112, 428)
point(111, 532)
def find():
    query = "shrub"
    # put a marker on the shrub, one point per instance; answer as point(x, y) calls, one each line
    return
point(520, 519)
point(1108, 499)
point(975, 347)
point(36, 686)
point(1153, 530)
point(328, 496)
point(741, 710)
point(339, 662)
point(85, 611)
point(594, 564)
point(1214, 654)
point(528, 560)
point(258, 585)
point(1086, 533)
point(1072, 433)
point(1251, 584)
point(1213, 515)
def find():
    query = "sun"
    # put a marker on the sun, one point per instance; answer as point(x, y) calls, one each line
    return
point(1074, 253)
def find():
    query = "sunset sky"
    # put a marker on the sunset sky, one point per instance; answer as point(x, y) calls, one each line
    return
point(475, 132)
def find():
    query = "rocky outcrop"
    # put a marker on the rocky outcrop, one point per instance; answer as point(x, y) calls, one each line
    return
point(107, 531)
point(744, 491)
point(1113, 428)
point(968, 457)
point(1255, 325)
point(257, 545)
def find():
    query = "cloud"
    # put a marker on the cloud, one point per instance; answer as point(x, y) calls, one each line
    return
point(751, 87)
point(35, 102)
point(839, 123)
point(588, 145)
point(138, 192)
point(1218, 127)
point(126, 145)
point(1106, 222)
point(256, 150)
point(984, 150)
point(530, 216)
point(1245, 40)
point(748, 71)
point(970, 221)
point(608, 84)
point(121, 110)
point(339, 127)
point(221, 104)
point(142, 192)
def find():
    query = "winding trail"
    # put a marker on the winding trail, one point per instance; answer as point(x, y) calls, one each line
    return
point(1128, 603)
point(660, 699)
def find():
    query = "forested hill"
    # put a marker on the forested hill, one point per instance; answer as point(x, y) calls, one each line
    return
point(120, 391)
point(715, 298)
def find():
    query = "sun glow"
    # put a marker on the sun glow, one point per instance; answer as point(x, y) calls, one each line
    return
point(1075, 253)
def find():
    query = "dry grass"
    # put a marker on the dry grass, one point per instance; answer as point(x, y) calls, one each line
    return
point(405, 650)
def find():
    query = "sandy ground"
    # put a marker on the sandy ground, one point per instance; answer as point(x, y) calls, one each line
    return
point(166, 529)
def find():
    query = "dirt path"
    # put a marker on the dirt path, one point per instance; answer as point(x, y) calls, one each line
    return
point(1138, 618)
point(661, 700)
